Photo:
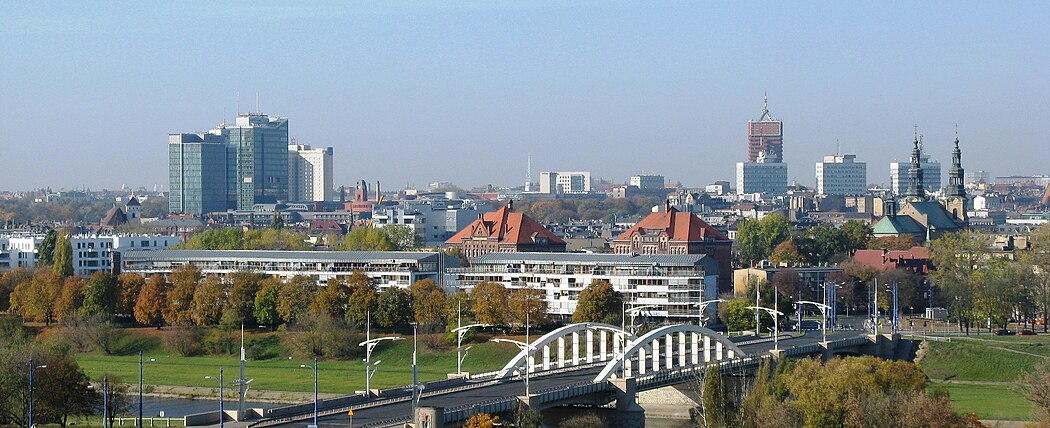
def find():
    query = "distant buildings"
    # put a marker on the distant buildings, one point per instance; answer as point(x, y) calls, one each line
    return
point(931, 173)
point(841, 175)
point(765, 171)
point(565, 182)
point(504, 231)
point(309, 173)
point(917, 215)
point(197, 173)
point(647, 182)
point(91, 253)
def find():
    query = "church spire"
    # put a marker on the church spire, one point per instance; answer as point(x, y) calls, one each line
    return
point(915, 176)
point(956, 187)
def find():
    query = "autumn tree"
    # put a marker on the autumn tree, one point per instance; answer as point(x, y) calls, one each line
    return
point(481, 420)
point(599, 302)
point(428, 304)
point(130, 286)
point(367, 238)
point(70, 298)
point(9, 281)
point(1039, 258)
point(756, 239)
point(458, 308)
point(152, 301)
point(363, 298)
point(241, 296)
point(209, 300)
point(489, 303)
point(956, 257)
point(294, 297)
point(393, 307)
point(403, 237)
point(786, 254)
point(36, 299)
point(331, 300)
point(184, 282)
point(522, 301)
point(67, 389)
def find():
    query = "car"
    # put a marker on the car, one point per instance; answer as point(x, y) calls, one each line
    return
point(1026, 333)
point(810, 325)
point(1003, 332)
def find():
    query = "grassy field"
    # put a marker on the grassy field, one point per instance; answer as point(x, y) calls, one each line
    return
point(988, 358)
point(996, 402)
point(283, 374)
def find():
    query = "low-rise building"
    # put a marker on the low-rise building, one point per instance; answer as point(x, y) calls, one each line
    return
point(673, 284)
point(504, 231)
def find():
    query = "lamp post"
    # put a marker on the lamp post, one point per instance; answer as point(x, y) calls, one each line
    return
point(105, 401)
point(32, 368)
point(370, 344)
point(823, 312)
point(703, 307)
point(139, 421)
point(634, 311)
point(776, 325)
point(528, 357)
point(460, 352)
point(896, 312)
point(304, 366)
point(222, 411)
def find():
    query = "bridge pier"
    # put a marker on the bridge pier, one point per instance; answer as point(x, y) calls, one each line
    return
point(628, 413)
point(429, 417)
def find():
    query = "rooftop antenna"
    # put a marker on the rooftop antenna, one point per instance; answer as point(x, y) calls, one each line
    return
point(956, 131)
point(838, 148)
point(916, 127)
point(238, 103)
point(256, 103)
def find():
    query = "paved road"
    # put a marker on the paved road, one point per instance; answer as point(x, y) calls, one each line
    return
point(517, 387)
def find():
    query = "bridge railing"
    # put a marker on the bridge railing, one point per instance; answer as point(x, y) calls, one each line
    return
point(504, 404)
point(676, 375)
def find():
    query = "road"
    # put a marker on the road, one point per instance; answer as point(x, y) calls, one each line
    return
point(483, 394)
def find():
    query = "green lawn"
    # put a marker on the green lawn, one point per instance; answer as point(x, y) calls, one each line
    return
point(281, 374)
point(996, 402)
point(973, 359)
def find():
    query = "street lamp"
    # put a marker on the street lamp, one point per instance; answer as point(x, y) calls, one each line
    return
point(528, 357)
point(139, 421)
point(105, 400)
point(304, 366)
point(461, 354)
point(633, 311)
point(776, 325)
point(823, 312)
point(222, 411)
point(32, 368)
point(370, 344)
point(703, 306)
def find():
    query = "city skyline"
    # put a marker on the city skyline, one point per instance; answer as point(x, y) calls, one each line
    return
point(614, 89)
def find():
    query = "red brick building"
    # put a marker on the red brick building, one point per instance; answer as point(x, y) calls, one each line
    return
point(915, 259)
point(505, 231)
point(677, 232)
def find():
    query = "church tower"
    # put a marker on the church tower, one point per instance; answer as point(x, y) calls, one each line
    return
point(956, 200)
point(916, 193)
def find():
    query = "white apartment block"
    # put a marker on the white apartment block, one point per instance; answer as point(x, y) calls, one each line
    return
point(768, 178)
point(435, 221)
point(672, 284)
point(91, 253)
point(647, 182)
point(19, 251)
point(565, 182)
point(842, 175)
point(931, 176)
point(309, 173)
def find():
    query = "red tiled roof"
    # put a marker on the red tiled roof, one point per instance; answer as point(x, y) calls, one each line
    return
point(679, 226)
point(506, 226)
point(889, 259)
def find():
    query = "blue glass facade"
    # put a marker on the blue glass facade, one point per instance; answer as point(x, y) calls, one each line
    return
point(196, 173)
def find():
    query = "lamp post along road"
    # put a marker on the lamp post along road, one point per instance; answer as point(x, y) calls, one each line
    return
point(823, 312)
point(703, 307)
point(460, 352)
point(139, 421)
point(634, 312)
point(776, 324)
point(32, 369)
point(222, 410)
point(304, 366)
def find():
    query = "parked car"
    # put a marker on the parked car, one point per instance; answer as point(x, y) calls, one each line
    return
point(1026, 333)
point(1003, 332)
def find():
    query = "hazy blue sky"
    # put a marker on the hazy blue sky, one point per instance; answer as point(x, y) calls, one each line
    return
point(411, 92)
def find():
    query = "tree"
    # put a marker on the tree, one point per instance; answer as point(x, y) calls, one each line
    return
point(900, 243)
point(403, 237)
point(278, 221)
point(786, 254)
point(738, 317)
point(331, 300)
point(266, 301)
point(101, 295)
point(36, 299)
point(150, 306)
point(481, 420)
point(130, 286)
point(855, 235)
point(428, 304)
point(67, 391)
point(393, 307)
point(363, 298)
point(63, 255)
point(209, 300)
point(46, 252)
point(956, 256)
point(367, 239)
point(118, 399)
point(458, 307)
point(295, 296)
point(599, 302)
point(586, 420)
point(1039, 259)
point(184, 282)
point(9, 281)
point(70, 298)
point(527, 300)
point(488, 302)
point(756, 239)
point(718, 409)
point(241, 296)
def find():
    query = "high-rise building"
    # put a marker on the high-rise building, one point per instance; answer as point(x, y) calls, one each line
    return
point(196, 173)
point(647, 182)
point(309, 173)
point(575, 182)
point(842, 175)
point(765, 136)
point(769, 178)
point(256, 160)
point(931, 175)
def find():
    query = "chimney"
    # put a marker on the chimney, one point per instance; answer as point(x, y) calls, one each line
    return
point(510, 204)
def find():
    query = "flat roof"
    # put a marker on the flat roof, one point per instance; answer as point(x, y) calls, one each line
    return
point(357, 256)
point(612, 259)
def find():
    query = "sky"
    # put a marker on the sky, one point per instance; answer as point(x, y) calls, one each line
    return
point(413, 92)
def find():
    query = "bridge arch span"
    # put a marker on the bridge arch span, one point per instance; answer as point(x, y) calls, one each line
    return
point(609, 341)
point(704, 345)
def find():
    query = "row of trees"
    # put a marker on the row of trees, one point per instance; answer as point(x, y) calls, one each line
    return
point(609, 209)
point(773, 238)
point(26, 210)
point(277, 237)
point(850, 392)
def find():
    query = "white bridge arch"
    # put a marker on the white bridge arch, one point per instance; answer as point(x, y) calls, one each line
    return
point(610, 340)
point(691, 341)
